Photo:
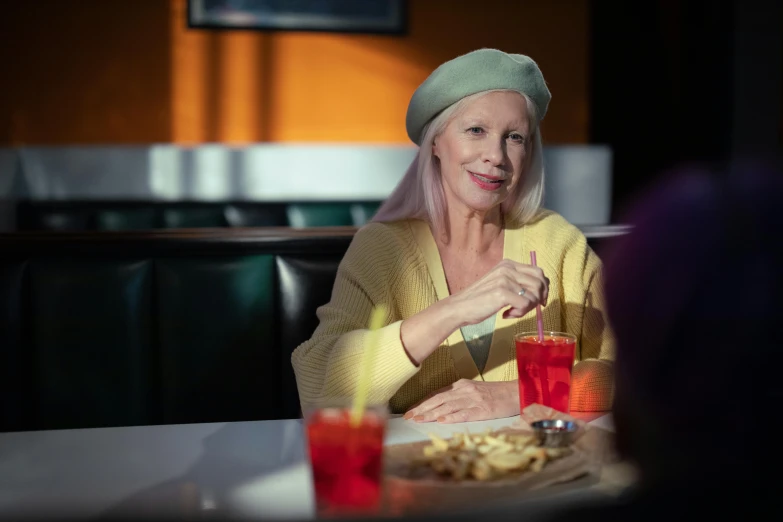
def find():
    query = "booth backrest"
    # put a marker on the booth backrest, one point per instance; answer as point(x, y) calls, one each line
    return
point(108, 329)
point(134, 328)
point(117, 215)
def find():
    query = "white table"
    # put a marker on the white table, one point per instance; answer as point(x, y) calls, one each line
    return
point(253, 469)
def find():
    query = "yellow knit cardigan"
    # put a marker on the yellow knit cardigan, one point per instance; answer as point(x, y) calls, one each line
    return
point(398, 264)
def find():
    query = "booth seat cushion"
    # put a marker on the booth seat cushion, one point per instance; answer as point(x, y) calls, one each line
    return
point(90, 342)
point(362, 213)
point(305, 283)
point(305, 215)
point(256, 216)
point(218, 349)
point(91, 333)
point(12, 399)
point(151, 215)
point(126, 219)
point(199, 217)
point(66, 220)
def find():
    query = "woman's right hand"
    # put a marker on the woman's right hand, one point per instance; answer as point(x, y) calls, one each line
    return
point(498, 289)
point(423, 332)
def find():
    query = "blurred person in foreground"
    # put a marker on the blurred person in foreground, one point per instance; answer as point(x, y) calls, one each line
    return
point(695, 296)
point(449, 254)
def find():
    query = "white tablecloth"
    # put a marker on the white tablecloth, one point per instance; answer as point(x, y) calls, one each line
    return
point(254, 469)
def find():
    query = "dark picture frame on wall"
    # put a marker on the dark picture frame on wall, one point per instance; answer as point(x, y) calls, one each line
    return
point(343, 16)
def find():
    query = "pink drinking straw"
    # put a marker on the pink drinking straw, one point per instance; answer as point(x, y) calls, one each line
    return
point(539, 319)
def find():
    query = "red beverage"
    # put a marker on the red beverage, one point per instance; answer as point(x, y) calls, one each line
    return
point(346, 461)
point(545, 369)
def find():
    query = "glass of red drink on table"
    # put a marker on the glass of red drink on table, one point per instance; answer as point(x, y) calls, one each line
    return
point(346, 460)
point(544, 369)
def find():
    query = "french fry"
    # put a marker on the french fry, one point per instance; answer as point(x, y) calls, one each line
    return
point(492, 441)
point(507, 461)
point(484, 449)
point(535, 452)
point(439, 443)
point(537, 465)
point(482, 470)
point(462, 469)
point(439, 466)
point(431, 452)
point(556, 453)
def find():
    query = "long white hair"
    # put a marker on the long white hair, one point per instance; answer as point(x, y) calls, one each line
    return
point(419, 194)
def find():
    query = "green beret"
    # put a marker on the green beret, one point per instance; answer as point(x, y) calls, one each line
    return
point(482, 70)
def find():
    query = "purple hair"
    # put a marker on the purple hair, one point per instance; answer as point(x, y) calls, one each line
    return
point(694, 295)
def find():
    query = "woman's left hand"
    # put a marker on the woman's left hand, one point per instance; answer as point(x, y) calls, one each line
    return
point(468, 400)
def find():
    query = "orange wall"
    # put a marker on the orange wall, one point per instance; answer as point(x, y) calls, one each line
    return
point(132, 72)
point(88, 71)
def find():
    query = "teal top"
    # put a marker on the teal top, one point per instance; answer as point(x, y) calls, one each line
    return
point(478, 338)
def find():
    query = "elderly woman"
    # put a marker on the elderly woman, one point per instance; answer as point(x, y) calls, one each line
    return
point(449, 252)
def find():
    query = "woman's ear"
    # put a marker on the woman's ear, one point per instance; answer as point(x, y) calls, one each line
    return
point(435, 148)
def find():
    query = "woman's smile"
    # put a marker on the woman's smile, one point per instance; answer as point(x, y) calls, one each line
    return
point(486, 181)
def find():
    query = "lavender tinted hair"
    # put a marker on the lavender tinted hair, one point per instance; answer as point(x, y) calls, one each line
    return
point(420, 195)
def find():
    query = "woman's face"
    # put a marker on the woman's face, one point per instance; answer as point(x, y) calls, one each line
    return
point(483, 151)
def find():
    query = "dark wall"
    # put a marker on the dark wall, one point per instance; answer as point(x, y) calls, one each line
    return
point(675, 82)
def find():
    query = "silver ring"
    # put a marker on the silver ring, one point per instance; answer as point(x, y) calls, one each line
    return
point(521, 292)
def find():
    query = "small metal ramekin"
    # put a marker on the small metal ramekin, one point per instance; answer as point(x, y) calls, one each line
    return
point(554, 433)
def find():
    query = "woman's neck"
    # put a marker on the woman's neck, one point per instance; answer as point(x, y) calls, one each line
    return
point(472, 232)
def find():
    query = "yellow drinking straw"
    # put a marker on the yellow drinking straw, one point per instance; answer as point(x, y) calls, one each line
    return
point(363, 388)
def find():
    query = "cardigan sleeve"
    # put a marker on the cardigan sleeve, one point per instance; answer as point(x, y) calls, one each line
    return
point(327, 366)
point(593, 378)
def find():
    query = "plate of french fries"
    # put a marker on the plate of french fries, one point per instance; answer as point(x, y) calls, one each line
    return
point(466, 470)
point(486, 457)
point(470, 469)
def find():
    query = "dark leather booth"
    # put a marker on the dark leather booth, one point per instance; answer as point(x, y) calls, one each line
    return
point(134, 328)
point(115, 215)
point(109, 329)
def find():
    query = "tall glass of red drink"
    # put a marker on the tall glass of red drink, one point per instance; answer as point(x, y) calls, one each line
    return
point(346, 460)
point(544, 369)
